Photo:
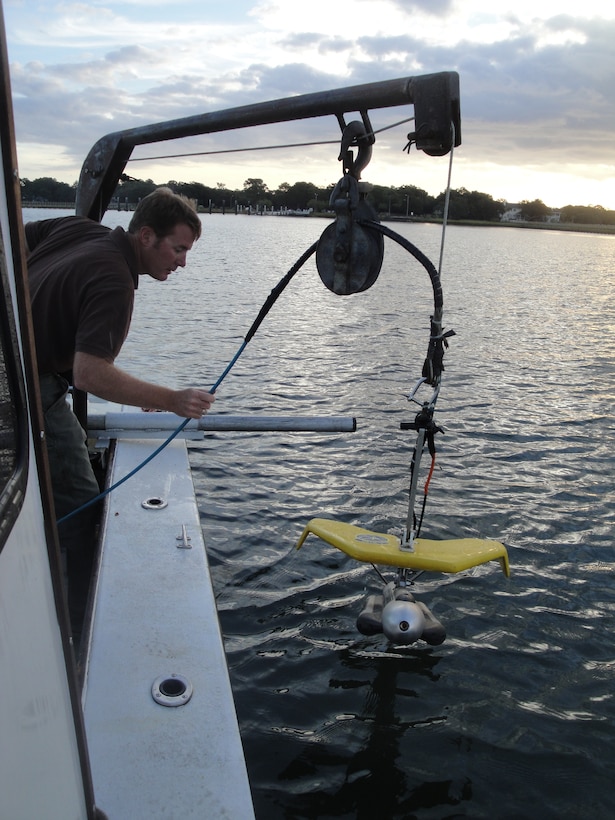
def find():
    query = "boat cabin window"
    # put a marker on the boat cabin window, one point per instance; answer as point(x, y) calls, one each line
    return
point(12, 417)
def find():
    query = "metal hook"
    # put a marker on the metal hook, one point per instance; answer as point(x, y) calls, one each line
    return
point(356, 134)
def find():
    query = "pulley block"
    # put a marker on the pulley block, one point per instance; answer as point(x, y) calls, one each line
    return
point(349, 256)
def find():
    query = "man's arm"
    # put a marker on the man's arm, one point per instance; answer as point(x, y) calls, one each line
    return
point(103, 379)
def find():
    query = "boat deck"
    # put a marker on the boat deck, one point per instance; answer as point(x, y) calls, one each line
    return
point(159, 713)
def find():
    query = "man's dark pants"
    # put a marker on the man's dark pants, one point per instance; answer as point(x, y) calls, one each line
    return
point(74, 484)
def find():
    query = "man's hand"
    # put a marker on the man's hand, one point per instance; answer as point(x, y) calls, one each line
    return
point(102, 378)
point(192, 403)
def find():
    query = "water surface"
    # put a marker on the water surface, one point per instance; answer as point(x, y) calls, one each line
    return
point(513, 716)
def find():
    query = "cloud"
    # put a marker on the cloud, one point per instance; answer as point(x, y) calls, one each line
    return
point(537, 84)
point(435, 7)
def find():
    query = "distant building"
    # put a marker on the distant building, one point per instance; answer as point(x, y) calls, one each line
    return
point(512, 213)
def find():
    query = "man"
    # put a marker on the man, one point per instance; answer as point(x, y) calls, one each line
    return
point(82, 277)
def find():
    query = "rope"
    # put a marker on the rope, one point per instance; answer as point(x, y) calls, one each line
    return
point(447, 199)
point(264, 147)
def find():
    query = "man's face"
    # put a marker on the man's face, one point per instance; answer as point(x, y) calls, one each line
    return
point(163, 256)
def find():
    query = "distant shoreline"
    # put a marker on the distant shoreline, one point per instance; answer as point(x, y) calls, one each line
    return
point(541, 226)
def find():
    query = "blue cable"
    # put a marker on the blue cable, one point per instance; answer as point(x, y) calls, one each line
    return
point(269, 302)
point(153, 455)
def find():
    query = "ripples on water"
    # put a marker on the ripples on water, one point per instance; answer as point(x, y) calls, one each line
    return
point(513, 716)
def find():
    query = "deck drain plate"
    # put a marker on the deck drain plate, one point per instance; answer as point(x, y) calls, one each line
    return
point(154, 503)
point(172, 690)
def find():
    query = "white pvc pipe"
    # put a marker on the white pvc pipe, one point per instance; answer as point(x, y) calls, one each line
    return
point(151, 422)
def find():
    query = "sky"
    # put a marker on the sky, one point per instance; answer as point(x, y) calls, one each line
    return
point(537, 84)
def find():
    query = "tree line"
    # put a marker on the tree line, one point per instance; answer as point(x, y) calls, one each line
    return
point(403, 201)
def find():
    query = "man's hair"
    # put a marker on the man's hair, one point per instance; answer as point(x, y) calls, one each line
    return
point(161, 211)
